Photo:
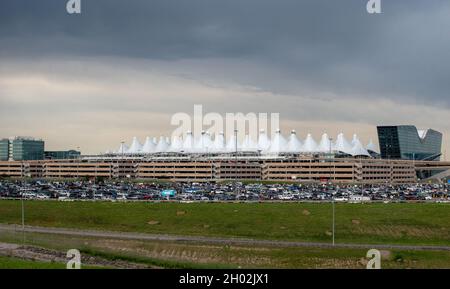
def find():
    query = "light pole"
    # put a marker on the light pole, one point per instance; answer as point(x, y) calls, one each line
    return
point(123, 143)
point(77, 177)
point(332, 197)
point(236, 159)
point(121, 162)
point(23, 221)
point(331, 140)
point(333, 219)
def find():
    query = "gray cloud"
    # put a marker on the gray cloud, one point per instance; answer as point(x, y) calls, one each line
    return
point(313, 60)
point(332, 46)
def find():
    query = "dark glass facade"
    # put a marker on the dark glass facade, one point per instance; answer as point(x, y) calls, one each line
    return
point(21, 149)
point(405, 142)
point(27, 149)
point(4, 149)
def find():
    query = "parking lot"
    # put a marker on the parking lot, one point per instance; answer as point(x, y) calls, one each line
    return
point(85, 190)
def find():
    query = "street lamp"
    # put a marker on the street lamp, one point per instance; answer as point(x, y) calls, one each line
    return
point(78, 164)
point(23, 221)
point(333, 220)
point(121, 163)
point(330, 140)
point(236, 159)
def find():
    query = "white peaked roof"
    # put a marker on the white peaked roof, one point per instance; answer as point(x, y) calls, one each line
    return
point(248, 144)
point(149, 146)
point(162, 145)
point(203, 143)
point(371, 146)
point(359, 150)
point(135, 147)
point(122, 149)
point(231, 144)
point(294, 145)
point(207, 144)
point(310, 144)
point(176, 145)
point(325, 144)
point(219, 142)
point(188, 143)
point(278, 143)
point(342, 144)
point(263, 141)
point(355, 139)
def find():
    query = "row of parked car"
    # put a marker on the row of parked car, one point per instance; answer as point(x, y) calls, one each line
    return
point(120, 190)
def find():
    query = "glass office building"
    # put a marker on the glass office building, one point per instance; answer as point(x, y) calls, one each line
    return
point(4, 149)
point(406, 142)
point(21, 149)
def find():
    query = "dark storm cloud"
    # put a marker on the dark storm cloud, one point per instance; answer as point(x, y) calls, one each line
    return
point(299, 46)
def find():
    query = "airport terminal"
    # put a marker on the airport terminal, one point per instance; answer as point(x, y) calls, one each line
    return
point(405, 155)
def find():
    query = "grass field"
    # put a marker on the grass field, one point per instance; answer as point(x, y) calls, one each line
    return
point(374, 223)
point(187, 255)
point(14, 263)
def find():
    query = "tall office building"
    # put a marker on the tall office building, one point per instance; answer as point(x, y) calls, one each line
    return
point(406, 142)
point(21, 149)
point(4, 149)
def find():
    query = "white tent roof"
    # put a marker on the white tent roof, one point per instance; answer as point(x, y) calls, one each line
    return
point(310, 144)
point(342, 144)
point(371, 146)
point(294, 145)
point(263, 141)
point(219, 142)
point(135, 147)
point(325, 144)
point(278, 143)
point(123, 149)
point(355, 139)
point(231, 144)
point(176, 145)
point(149, 146)
point(162, 145)
point(248, 144)
point(188, 143)
point(359, 150)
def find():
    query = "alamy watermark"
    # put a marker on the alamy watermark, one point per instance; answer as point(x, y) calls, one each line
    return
point(75, 259)
point(74, 6)
point(243, 124)
point(373, 7)
point(375, 261)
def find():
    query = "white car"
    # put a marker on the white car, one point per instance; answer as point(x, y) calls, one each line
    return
point(29, 195)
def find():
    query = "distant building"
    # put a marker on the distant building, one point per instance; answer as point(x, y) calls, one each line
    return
point(406, 142)
point(62, 155)
point(21, 149)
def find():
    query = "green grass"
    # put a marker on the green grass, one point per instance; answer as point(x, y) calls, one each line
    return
point(188, 255)
point(374, 223)
point(15, 263)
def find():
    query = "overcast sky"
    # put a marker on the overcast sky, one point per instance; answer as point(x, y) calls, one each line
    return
point(123, 68)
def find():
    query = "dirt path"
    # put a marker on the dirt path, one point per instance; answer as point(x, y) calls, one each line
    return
point(33, 253)
point(212, 240)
